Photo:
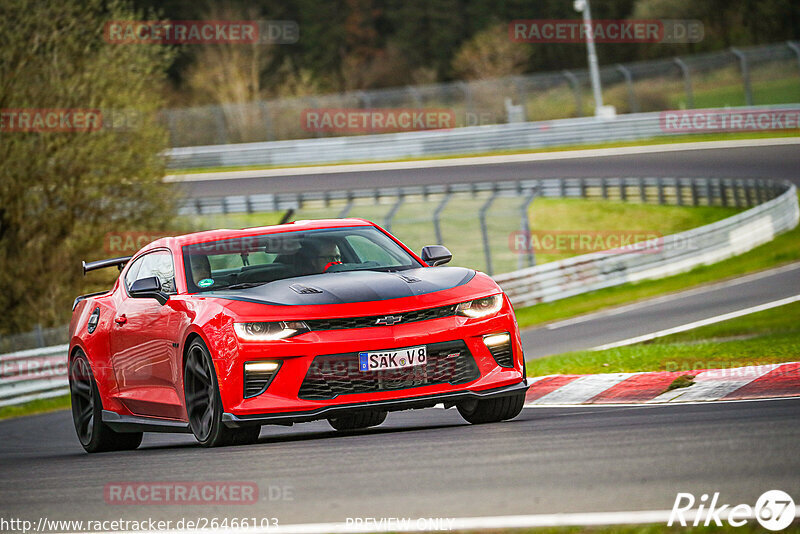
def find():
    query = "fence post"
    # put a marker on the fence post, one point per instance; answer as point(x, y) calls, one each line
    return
point(642, 191)
point(604, 188)
point(626, 73)
point(387, 222)
point(660, 185)
point(522, 96)
point(219, 118)
point(437, 213)
point(487, 251)
point(464, 86)
point(414, 96)
point(525, 227)
point(709, 196)
point(347, 207)
point(265, 114)
point(39, 335)
point(687, 81)
point(748, 91)
point(796, 49)
point(576, 89)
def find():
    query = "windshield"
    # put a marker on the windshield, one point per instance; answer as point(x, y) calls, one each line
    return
point(248, 261)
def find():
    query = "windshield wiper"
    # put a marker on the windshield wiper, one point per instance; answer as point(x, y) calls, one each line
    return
point(244, 285)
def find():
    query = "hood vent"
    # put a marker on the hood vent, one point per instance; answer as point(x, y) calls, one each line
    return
point(304, 290)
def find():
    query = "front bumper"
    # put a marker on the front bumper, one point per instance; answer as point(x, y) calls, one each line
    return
point(424, 401)
point(282, 400)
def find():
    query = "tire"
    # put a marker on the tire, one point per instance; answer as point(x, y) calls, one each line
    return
point(357, 420)
point(204, 404)
point(492, 410)
point(87, 412)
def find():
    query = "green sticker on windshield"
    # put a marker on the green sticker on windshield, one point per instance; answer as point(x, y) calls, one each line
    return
point(205, 282)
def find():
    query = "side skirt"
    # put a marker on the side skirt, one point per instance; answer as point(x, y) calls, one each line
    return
point(136, 423)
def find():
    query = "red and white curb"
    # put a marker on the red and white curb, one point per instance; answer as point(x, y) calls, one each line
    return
point(741, 383)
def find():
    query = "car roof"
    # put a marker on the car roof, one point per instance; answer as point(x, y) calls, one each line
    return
point(176, 242)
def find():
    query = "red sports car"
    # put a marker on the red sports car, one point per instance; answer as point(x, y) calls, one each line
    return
point(217, 333)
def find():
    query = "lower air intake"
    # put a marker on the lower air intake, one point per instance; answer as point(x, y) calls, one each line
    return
point(449, 362)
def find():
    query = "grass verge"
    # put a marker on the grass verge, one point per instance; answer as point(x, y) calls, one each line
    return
point(771, 336)
point(38, 406)
point(782, 250)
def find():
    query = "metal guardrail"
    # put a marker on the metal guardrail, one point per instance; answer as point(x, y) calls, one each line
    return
point(420, 144)
point(33, 374)
point(41, 373)
point(676, 254)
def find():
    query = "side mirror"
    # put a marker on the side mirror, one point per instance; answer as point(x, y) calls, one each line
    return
point(148, 288)
point(435, 255)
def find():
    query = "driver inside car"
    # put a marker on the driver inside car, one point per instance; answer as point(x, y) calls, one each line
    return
point(319, 254)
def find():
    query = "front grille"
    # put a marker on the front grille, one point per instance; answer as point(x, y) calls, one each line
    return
point(449, 362)
point(503, 354)
point(366, 322)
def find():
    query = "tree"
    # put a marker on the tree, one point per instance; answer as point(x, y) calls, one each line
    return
point(61, 192)
point(491, 54)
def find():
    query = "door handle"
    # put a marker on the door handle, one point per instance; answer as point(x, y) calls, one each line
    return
point(121, 319)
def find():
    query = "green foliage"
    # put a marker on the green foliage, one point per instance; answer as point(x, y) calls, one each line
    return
point(361, 44)
point(61, 192)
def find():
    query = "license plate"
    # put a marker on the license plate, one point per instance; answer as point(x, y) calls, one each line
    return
point(392, 359)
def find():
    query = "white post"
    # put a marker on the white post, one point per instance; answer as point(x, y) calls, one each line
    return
point(582, 6)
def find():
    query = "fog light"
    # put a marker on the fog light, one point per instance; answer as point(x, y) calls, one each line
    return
point(493, 340)
point(258, 375)
point(499, 346)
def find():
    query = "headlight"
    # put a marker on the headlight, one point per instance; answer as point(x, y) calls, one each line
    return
point(481, 307)
point(269, 331)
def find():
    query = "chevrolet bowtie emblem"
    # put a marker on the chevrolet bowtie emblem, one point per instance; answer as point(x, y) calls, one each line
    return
point(389, 320)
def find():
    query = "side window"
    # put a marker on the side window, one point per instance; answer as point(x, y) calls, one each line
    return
point(158, 264)
point(133, 269)
point(368, 250)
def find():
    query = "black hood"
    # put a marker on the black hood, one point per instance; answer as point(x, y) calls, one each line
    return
point(348, 287)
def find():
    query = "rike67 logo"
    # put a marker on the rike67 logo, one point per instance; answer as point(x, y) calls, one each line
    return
point(774, 510)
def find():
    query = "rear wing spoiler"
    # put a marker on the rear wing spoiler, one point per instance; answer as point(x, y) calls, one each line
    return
point(119, 263)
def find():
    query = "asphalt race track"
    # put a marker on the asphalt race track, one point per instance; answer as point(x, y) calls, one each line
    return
point(430, 463)
point(662, 313)
point(427, 464)
point(778, 162)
